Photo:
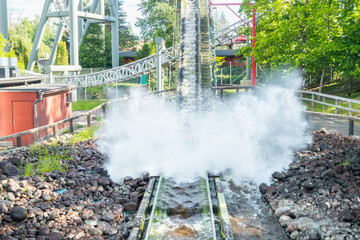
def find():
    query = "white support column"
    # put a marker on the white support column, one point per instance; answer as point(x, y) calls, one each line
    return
point(80, 20)
point(38, 36)
point(4, 22)
point(58, 37)
point(115, 32)
point(159, 80)
point(74, 33)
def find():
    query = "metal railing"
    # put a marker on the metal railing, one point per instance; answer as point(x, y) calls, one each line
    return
point(122, 73)
point(332, 101)
point(343, 107)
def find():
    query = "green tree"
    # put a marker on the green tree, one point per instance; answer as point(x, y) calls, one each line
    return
point(21, 37)
point(348, 50)
point(294, 34)
point(158, 20)
point(144, 51)
point(62, 57)
point(92, 48)
point(2, 46)
point(96, 48)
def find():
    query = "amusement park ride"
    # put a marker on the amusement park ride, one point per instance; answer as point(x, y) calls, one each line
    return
point(76, 21)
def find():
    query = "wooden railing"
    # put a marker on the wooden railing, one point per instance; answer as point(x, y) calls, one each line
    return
point(70, 120)
point(54, 125)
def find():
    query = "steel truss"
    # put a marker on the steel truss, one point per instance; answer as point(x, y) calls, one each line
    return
point(77, 22)
point(132, 70)
point(143, 66)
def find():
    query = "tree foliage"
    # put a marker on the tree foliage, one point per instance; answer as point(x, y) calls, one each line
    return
point(21, 37)
point(158, 20)
point(2, 46)
point(96, 48)
point(62, 57)
point(309, 35)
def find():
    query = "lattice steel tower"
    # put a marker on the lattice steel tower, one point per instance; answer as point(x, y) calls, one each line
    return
point(72, 18)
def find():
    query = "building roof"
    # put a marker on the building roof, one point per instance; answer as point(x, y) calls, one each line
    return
point(38, 88)
point(128, 54)
point(21, 80)
point(226, 53)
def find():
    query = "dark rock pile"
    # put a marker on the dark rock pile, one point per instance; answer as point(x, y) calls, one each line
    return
point(318, 197)
point(79, 203)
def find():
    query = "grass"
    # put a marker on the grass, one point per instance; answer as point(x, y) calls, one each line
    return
point(82, 105)
point(86, 134)
point(49, 159)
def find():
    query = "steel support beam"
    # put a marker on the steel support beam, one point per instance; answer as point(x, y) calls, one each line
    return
point(94, 6)
point(38, 36)
point(57, 40)
point(74, 32)
point(80, 19)
point(159, 79)
point(113, 5)
point(4, 22)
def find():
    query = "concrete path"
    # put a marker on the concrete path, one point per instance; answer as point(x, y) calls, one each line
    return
point(332, 125)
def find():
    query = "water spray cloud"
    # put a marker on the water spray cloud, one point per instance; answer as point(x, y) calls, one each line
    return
point(252, 134)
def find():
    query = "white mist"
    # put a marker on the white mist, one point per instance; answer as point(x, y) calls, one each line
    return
point(251, 134)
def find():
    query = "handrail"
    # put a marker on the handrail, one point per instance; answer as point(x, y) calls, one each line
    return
point(71, 119)
point(53, 125)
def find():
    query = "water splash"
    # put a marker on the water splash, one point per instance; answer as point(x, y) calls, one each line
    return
point(252, 134)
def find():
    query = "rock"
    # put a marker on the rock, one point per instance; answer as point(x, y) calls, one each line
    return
point(292, 227)
point(13, 186)
point(305, 223)
point(46, 197)
point(130, 206)
point(309, 185)
point(104, 181)
point(263, 188)
point(4, 207)
point(18, 214)
point(87, 214)
point(285, 211)
point(324, 131)
point(310, 234)
point(279, 176)
point(294, 235)
point(55, 236)
point(108, 216)
point(44, 231)
point(285, 220)
point(15, 161)
point(95, 232)
point(10, 170)
point(91, 222)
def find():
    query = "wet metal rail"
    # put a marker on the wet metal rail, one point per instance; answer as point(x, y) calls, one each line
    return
point(213, 209)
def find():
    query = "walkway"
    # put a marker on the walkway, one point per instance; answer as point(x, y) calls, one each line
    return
point(332, 125)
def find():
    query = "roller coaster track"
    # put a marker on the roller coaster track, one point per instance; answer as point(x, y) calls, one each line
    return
point(143, 66)
point(211, 210)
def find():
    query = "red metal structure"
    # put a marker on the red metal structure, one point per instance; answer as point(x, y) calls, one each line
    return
point(240, 39)
point(253, 27)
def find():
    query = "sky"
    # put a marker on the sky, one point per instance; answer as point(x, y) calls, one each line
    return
point(30, 8)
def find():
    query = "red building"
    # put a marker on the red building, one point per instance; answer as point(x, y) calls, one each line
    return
point(29, 106)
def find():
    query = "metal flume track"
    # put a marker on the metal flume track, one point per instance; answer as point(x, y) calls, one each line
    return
point(195, 210)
